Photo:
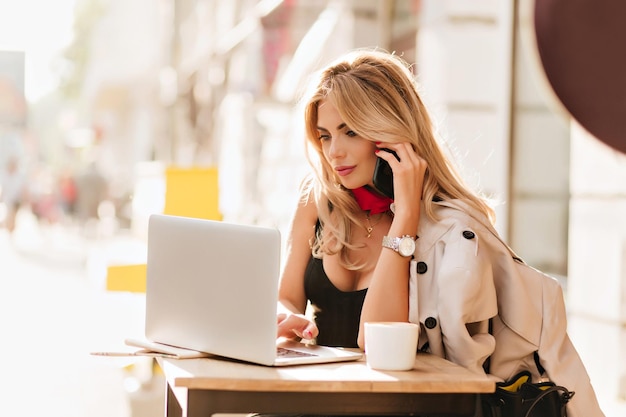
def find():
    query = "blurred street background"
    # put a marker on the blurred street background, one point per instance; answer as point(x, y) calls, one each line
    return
point(55, 312)
point(111, 110)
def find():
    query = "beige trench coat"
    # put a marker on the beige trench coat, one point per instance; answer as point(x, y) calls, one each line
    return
point(462, 276)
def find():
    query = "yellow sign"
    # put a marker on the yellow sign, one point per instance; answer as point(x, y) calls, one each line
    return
point(130, 278)
point(192, 192)
point(189, 192)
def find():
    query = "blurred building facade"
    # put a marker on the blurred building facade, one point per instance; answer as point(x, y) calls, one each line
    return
point(215, 83)
point(13, 113)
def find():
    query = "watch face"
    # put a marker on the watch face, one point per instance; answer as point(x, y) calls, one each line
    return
point(406, 246)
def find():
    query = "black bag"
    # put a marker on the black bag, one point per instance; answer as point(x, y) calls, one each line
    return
point(519, 397)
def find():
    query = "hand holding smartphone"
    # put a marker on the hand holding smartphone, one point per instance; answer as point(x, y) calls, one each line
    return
point(383, 175)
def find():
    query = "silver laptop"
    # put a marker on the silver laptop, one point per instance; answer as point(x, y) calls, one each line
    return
point(213, 287)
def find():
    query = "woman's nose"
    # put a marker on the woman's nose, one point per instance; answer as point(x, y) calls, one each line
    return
point(336, 149)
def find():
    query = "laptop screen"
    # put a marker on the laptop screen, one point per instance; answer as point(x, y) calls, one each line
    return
point(213, 286)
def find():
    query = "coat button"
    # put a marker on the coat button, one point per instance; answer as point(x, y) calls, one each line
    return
point(430, 323)
point(468, 235)
point(421, 267)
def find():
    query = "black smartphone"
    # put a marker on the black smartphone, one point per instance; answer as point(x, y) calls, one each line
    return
point(383, 175)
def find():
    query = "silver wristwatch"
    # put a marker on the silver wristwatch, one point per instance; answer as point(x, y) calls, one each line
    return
point(404, 245)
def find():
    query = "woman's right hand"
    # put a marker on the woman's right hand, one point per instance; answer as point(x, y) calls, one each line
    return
point(408, 177)
point(291, 326)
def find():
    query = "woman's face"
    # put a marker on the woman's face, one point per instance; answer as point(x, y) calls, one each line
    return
point(351, 157)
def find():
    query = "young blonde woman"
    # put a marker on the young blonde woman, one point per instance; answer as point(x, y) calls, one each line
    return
point(356, 255)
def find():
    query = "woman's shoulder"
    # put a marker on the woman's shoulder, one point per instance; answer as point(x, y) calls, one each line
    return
point(452, 218)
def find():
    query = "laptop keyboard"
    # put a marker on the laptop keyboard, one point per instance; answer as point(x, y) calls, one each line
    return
point(282, 352)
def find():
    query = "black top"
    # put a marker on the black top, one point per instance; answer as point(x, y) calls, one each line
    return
point(337, 313)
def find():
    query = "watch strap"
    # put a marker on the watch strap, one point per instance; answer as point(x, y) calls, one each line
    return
point(393, 243)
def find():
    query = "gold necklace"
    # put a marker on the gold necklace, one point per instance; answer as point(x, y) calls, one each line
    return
point(370, 226)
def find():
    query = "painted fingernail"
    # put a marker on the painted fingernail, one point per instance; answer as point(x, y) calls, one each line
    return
point(307, 334)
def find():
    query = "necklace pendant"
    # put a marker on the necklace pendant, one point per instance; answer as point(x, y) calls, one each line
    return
point(369, 231)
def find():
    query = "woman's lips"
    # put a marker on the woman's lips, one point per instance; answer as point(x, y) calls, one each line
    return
point(343, 171)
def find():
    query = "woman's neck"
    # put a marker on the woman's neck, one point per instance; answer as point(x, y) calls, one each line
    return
point(370, 201)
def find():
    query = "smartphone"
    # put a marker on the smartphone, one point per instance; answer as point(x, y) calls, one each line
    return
point(383, 175)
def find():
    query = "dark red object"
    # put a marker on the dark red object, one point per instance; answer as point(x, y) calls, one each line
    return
point(582, 47)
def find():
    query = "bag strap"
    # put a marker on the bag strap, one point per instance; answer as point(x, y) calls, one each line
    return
point(565, 397)
point(540, 368)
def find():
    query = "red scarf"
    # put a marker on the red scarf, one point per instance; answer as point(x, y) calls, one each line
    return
point(371, 201)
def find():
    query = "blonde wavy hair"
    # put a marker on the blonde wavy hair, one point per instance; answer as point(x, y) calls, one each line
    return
point(376, 95)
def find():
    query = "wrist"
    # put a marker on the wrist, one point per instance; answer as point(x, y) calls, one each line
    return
point(403, 245)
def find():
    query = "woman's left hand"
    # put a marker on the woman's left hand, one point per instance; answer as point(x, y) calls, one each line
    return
point(296, 325)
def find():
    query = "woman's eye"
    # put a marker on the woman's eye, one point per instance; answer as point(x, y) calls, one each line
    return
point(351, 133)
point(324, 137)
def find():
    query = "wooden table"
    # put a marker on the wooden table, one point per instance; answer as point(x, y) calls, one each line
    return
point(203, 387)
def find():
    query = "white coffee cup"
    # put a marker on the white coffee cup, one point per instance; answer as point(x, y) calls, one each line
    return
point(391, 346)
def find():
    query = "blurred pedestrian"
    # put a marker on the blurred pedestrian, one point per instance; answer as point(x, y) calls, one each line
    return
point(91, 190)
point(12, 191)
point(68, 193)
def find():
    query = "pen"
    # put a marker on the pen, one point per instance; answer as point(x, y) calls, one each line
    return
point(140, 353)
point(114, 353)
